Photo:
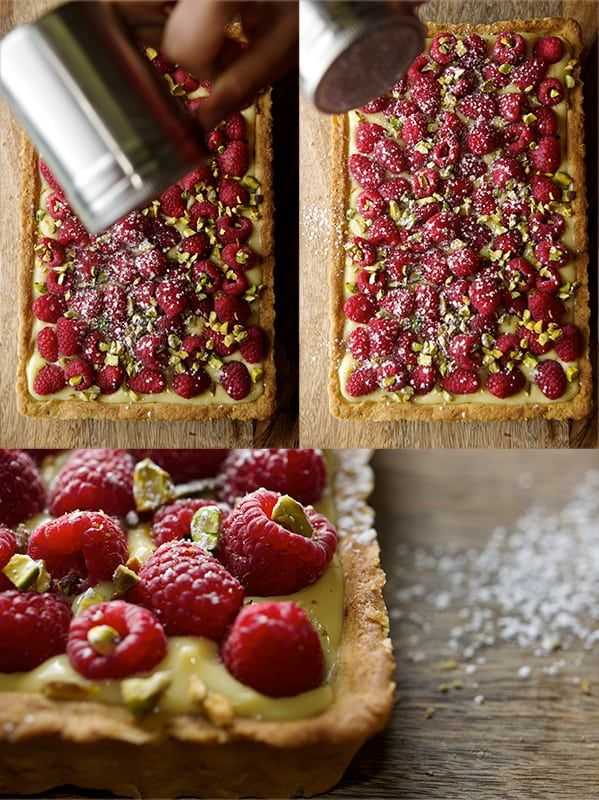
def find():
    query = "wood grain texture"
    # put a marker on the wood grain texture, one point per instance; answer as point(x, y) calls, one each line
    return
point(531, 740)
point(317, 426)
point(279, 431)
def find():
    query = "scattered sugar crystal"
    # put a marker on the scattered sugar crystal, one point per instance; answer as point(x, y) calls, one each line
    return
point(524, 673)
point(479, 699)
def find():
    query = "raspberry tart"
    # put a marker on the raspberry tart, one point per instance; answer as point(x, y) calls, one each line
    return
point(169, 313)
point(459, 289)
point(167, 639)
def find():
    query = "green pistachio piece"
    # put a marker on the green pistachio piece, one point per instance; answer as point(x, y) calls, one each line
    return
point(152, 486)
point(140, 695)
point(291, 515)
point(123, 579)
point(205, 527)
point(571, 373)
point(90, 597)
point(23, 572)
point(251, 183)
point(104, 639)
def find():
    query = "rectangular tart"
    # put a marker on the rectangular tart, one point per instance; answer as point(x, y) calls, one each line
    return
point(49, 737)
point(402, 295)
point(120, 305)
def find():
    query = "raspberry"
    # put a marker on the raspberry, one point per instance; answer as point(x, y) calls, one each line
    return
point(485, 294)
point(114, 304)
point(529, 73)
point(509, 345)
point(457, 189)
point(172, 297)
point(239, 256)
point(109, 379)
point(171, 202)
point(400, 302)
point(274, 649)
point(532, 343)
point(232, 193)
point(423, 379)
point(232, 309)
point(506, 382)
point(234, 159)
point(384, 231)
point(461, 381)
point(33, 628)
point(464, 262)
point(362, 252)
point(551, 379)
point(441, 228)
point(147, 381)
point(173, 521)
point(544, 189)
point(443, 48)
point(482, 138)
point(359, 308)
point(254, 348)
point(50, 252)
point(511, 106)
point(390, 155)
point(235, 126)
point(91, 349)
point(190, 592)
point(374, 106)
point(427, 96)
point(471, 166)
point(234, 283)
point(427, 303)
point(205, 210)
point(434, 266)
point(196, 245)
point(86, 545)
point(48, 307)
point(479, 106)
point(235, 380)
point(367, 134)
point(546, 123)
point(358, 344)
point(510, 242)
point(483, 200)
point(94, 480)
point(190, 385)
point(403, 349)
point(552, 254)
point(422, 69)
point(151, 263)
point(549, 49)
point(215, 139)
point(72, 233)
point(47, 345)
point(8, 547)
point(476, 50)
point(79, 375)
point(59, 283)
point(462, 84)
point(571, 345)
point(509, 48)
point(151, 350)
point(383, 335)
point(399, 264)
point(184, 79)
point(392, 375)
point(49, 176)
point(163, 236)
point(361, 381)
point(549, 280)
point(414, 129)
point(138, 642)
point(465, 351)
point(367, 172)
point(456, 293)
point(546, 157)
point(550, 92)
point(517, 138)
point(185, 465)
point(520, 274)
point(505, 169)
point(269, 558)
point(162, 64)
point(49, 380)
point(545, 307)
point(86, 303)
point(370, 204)
point(425, 182)
point(22, 493)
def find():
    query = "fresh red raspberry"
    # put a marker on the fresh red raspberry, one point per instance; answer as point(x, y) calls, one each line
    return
point(422, 69)
point(510, 242)
point(404, 348)
point(139, 641)
point(109, 379)
point(190, 592)
point(529, 73)
point(427, 96)
point(471, 166)
point(383, 334)
point(163, 236)
point(91, 349)
point(268, 558)
point(49, 380)
point(235, 380)
point(233, 228)
point(185, 80)
point(476, 50)
point(456, 190)
point(274, 649)
point(509, 48)
point(94, 480)
point(47, 345)
point(79, 375)
point(8, 547)
point(544, 189)
point(425, 182)
point(546, 225)
point(514, 303)
point(483, 200)
point(208, 278)
point(239, 256)
point(358, 344)
point(511, 106)
point(482, 138)
point(549, 49)
point(390, 155)
point(427, 304)
point(48, 307)
point(506, 382)
point(234, 159)
point(422, 214)
point(50, 252)
point(509, 345)
point(234, 283)
point(86, 303)
point(520, 274)
point(479, 106)
point(215, 139)
point(398, 263)
point(461, 381)
point(171, 202)
point(172, 297)
point(232, 309)
point(370, 204)
point(517, 138)
point(441, 228)
point(231, 193)
point(434, 266)
point(552, 254)
point(416, 159)
point(465, 351)
point(545, 307)
point(505, 169)
point(362, 252)
point(547, 156)
point(550, 92)
point(185, 465)
point(366, 172)
point(359, 308)
point(189, 385)
point(400, 108)
point(392, 375)
point(130, 231)
point(72, 233)
point(384, 231)
point(49, 176)
point(551, 379)
point(374, 106)
point(235, 126)
point(462, 83)
point(571, 345)
point(546, 123)
point(456, 293)
point(485, 294)
point(22, 493)
point(147, 381)
point(423, 379)
point(443, 48)
point(152, 352)
point(87, 545)
point(530, 341)
point(367, 135)
point(161, 63)
point(549, 280)
point(400, 302)
point(59, 283)
point(173, 521)
point(114, 303)
point(197, 244)
point(464, 262)
point(151, 263)
point(362, 381)
point(254, 348)
point(414, 129)
point(33, 628)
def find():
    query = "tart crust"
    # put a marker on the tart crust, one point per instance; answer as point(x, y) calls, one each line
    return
point(576, 408)
point(45, 743)
point(261, 408)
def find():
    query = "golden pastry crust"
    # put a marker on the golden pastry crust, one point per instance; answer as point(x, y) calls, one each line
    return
point(261, 408)
point(45, 743)
point(580, 405)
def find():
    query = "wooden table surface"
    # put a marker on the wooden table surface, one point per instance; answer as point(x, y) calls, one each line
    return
point(280, 431)
point(317, 426)
point(532, 739)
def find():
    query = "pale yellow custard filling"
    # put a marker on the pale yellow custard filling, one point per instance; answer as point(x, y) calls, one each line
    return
point(530, 394)
point(216, 395)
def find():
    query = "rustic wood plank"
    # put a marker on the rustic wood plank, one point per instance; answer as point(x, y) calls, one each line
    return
point(317, 426)
point(15, 430)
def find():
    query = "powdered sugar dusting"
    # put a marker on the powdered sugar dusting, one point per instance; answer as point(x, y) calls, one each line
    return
point(354, 481)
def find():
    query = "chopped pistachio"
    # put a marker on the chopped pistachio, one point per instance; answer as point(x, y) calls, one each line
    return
point(152, 486)
point(291, 515)
point(569, 81)
point(123, 579)
point(206, 526)
point(104, 639)
point(90, 597)
point(571, 373)
point(24, 572)
point(140, 695)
